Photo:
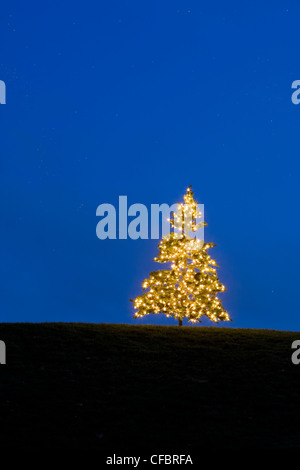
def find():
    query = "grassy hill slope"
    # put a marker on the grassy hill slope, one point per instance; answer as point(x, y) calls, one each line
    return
point(151, 388)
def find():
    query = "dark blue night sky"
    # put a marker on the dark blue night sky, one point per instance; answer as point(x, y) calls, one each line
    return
point(144, 99)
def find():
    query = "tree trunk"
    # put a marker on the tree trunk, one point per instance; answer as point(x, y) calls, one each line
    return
point(180, 322)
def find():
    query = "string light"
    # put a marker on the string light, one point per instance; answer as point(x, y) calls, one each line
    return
point(189, 288)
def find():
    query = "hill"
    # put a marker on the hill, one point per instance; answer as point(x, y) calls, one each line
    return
point(147, 388)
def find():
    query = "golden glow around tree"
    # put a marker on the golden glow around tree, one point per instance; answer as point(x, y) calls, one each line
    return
point(190, 288)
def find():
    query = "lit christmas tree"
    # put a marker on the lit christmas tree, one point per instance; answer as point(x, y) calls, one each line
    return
point(189, 289)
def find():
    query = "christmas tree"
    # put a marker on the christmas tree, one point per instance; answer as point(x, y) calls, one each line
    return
point(189, 289)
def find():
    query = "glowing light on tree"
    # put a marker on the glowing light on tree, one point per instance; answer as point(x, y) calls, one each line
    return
point(190, 288)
